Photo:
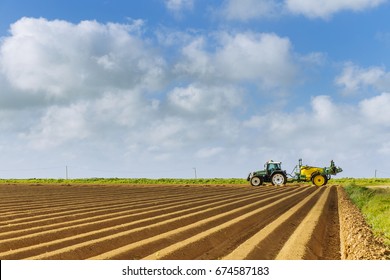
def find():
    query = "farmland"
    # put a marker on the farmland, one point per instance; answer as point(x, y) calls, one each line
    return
point(230, 220)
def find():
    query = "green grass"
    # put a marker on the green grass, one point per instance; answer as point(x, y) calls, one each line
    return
point(374, 203)
point(362, 181)
point(126, 181)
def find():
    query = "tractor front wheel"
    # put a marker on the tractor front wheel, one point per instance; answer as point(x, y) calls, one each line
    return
point(278, 179)
point(256, 181)
point(319, 180)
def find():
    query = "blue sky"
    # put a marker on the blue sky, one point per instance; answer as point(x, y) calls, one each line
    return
point(157, 88)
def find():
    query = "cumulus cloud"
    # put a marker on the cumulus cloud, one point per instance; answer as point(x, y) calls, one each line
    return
point(354, 78)
point(376, 109)
point(77, 80)
point(326, 8)
point(57, 59)
point(196, 60)
point(101, 83)
point(324, 111)
point(203, 101)
point(263, 58)
point(59, 125)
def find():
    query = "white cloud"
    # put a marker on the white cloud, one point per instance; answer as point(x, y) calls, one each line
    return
point(324, 111)
point(262, 58)
point(376, 109)
point(59, 125)
point(354, 78)
point(168, 133)
point(92, 82)
point(250, 56)
point(71, 82)
point(244, 10)
point(58, 59)
point(203, 101)
point(326, 8)
point(123, 108)
point(196, 60)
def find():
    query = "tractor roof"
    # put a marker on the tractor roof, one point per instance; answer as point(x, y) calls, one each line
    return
point(271, 161)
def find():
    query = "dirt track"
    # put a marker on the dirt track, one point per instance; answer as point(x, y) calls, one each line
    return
point(169, 222)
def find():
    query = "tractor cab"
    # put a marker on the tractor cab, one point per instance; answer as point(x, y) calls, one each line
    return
point(272, 166)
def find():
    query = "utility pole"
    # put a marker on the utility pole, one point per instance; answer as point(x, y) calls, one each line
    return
point(66, 172)
point(195, 172)
point(375, 173)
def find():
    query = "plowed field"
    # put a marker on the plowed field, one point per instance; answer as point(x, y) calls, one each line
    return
point(168, 222)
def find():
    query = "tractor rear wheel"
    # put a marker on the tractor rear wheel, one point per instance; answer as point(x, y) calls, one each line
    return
point(319, 180)
point(278, 179)
point(256, 181)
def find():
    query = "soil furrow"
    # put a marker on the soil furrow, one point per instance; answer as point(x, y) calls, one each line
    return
point(26, 209)
point(67, 237)
point(170, 222)
point(81, 214)
point(266, 243)
point(117, 217)
point(205, 244)
point(308, 240)
point(106, 243)
point(141, 249)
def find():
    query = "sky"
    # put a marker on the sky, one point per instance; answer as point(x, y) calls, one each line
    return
point(167, 88)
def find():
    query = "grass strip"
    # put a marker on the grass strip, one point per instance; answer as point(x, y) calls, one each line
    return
point(125, 181)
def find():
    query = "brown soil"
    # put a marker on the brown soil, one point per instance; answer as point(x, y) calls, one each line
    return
point(182, 222)
point(357, 240)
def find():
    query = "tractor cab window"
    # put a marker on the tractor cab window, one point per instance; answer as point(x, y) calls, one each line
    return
point(272, 166)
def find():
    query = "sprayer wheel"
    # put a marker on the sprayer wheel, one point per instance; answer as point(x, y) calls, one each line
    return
point(319, 180)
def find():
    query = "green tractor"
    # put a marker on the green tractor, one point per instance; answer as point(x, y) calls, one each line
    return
point(274, 174)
